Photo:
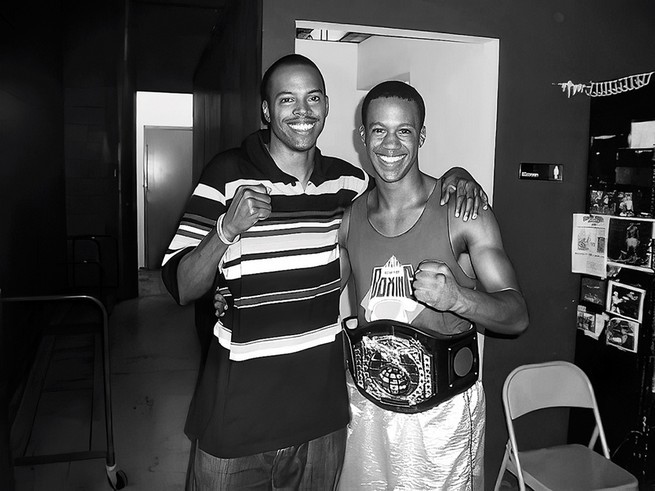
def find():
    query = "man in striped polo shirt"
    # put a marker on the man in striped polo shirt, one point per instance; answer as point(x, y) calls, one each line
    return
point(270, 407)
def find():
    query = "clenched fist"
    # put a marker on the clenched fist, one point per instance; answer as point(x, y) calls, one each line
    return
point(250, 204)
point(435, 285)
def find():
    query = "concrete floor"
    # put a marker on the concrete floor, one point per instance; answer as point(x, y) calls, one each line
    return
point(154, 364)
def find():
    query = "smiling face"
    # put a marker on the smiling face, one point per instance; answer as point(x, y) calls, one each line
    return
point(295, 107)
point(393, 135)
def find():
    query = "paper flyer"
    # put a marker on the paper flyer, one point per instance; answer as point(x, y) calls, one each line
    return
point(589, 244)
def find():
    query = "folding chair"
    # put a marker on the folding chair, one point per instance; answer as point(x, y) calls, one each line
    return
point(563, 467)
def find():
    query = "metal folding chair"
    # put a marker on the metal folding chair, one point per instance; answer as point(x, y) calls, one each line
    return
point(576, 467)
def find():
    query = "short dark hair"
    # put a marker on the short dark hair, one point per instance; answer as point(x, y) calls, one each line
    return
point(394, 88)
point(288, 60)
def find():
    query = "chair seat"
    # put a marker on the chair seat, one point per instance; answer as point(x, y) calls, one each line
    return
point(575, 468)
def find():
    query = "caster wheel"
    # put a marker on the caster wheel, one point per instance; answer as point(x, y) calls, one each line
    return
point(117, 479)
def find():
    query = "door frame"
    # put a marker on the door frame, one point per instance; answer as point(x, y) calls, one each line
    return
point(479, 157)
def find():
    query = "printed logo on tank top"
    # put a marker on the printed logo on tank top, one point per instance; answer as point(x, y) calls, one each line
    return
point(391, 295)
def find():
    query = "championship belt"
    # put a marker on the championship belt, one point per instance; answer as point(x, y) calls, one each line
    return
point(407, 369)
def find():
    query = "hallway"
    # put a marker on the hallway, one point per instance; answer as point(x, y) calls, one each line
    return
point(154, 360)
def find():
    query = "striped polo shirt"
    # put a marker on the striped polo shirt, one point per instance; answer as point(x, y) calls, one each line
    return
point(278, 372)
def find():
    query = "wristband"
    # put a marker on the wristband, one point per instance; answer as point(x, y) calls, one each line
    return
point(221, 234)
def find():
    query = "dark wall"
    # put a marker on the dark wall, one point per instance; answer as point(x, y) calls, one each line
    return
point(167, 37)
point(541, 44)
point(99, 125)
point(32, 211)
point(91, 52)
point(32, 190)
point(226, 101)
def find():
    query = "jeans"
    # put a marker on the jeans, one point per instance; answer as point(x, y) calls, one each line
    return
point(313, 465)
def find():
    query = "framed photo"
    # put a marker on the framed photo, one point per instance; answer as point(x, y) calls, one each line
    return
point(593, 290)
point(586, 321)
point(632, 198)
point(602, 202)
point(622, 334)
point(629, 243)
point(624, 204)
point(625, 300)
point(591, 324)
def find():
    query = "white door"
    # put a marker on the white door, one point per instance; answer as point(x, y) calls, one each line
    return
point(167, 185)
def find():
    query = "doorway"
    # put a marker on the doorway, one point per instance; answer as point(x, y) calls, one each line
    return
point(456, 75)
point(167, 183)
point(170, 164)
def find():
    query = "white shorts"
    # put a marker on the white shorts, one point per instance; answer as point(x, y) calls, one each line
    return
point(441, 448)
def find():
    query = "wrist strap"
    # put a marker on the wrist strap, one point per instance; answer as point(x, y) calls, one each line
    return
point(221, 234)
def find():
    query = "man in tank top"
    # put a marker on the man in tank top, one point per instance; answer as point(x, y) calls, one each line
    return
point(423, 285)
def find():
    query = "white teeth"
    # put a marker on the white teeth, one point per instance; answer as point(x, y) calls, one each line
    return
point(302, 126)
point(390, 160)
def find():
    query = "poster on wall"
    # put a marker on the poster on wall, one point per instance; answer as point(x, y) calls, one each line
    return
point(629, 243)
point(625, 300)
point(593, 290)
point(622, 334)
point(588, 246)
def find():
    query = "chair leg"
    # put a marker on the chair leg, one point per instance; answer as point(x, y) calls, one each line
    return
point(503, 468)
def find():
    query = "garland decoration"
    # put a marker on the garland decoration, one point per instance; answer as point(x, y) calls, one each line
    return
point(611, 87)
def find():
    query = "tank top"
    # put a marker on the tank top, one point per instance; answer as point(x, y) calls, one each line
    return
point(384, 267)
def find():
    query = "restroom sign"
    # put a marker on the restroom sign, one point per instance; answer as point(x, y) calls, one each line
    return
point(540, 172)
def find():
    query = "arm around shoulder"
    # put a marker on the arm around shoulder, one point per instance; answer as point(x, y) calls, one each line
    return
point(469, 195)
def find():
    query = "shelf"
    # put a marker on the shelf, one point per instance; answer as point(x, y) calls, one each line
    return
point(635, 157)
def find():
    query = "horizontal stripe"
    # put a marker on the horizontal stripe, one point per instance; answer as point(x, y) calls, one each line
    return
point(284, 240)
point(351, 183)
point(197, 221)
point(347, 183)
point(209, 192)
point(178, 243)
point(275, 346)
point(191, 230)
point(289, 243)
point(277, 263)
point(182, 240)
point(317, 249)
point(297, 225)
point(274, 188)
point(298, 295)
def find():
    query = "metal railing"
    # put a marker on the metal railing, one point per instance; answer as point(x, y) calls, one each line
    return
point(117, 478)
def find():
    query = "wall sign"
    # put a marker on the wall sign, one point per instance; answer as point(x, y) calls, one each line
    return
point(541, 172)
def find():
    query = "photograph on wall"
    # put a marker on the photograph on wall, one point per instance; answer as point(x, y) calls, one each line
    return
point(602, 202)
point(624, 204)
point(625, 300)
point(586, 320)
point(591, 324)
point(629, 243)
point(622, 334)
point(593, 290)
